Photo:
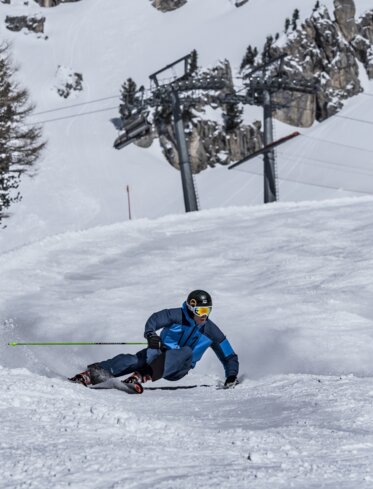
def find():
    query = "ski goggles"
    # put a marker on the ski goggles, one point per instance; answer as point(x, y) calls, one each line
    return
point(200, 311)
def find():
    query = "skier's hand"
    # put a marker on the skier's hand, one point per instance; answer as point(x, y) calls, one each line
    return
point(154, 341)
point(230, 382)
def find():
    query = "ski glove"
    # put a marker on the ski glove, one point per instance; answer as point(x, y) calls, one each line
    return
point(154, 341)
point(230, 382)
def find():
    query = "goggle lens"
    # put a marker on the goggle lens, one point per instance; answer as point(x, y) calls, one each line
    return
point(202, 310)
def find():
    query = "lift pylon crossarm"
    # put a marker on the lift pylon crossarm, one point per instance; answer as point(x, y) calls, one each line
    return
point(263, 66)
point(153, 76)
point(265, 149)
point(162, 93)
point(304, 91)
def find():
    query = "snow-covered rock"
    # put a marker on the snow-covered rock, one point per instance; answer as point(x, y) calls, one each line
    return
point(34, 23)
point(68, 82)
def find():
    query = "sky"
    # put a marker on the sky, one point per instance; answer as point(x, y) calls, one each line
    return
point(290, 281)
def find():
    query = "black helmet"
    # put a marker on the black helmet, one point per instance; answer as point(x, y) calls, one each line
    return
point(199, 302)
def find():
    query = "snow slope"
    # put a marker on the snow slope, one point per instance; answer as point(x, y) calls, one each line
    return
point(291, 282)
point(292, 289)
point(288, 431)
point(82, 180)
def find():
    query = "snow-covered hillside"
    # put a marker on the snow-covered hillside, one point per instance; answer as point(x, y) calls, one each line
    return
point(291, 282)
point(82, 180)
point(292, 289)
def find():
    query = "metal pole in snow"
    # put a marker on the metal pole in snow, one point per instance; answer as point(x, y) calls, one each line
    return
point(190, 198)
point(129, 202)
point(270, 191)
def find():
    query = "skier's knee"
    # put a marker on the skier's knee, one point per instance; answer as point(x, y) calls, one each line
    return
point(188, 352)
point(176, 376)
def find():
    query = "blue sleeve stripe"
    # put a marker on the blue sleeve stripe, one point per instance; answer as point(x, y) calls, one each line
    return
point(226, 348)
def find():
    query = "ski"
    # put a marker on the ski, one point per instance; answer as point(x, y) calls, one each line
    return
point(176, 387)
point(137, 388)
point(193, 386)
point(114, 383)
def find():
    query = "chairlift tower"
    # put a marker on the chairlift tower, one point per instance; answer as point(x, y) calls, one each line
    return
point(168, 95)
point(261, 86)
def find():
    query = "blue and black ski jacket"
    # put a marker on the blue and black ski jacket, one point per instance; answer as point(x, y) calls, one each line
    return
point(180, 329)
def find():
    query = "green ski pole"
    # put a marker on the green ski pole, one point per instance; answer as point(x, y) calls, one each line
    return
point(73, 343)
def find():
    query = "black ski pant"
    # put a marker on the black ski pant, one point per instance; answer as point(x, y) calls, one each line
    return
point(169, 364)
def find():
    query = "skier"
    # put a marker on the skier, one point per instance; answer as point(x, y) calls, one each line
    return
point(186, 334)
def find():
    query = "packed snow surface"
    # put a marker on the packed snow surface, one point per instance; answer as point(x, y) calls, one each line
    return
point(292, 289)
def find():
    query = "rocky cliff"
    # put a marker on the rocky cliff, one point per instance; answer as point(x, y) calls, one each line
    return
point(169, 5)
point(330, 49)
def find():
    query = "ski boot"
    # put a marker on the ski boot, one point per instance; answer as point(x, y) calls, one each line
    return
point(137, 378)
point(94, 375)
point(82, 378)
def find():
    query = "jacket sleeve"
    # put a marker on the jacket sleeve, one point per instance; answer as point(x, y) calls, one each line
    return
point(161, 319)
point(222, 349)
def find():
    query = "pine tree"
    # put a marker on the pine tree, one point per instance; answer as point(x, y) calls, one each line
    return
point(317, 6)
point(287, 24)
point(295, 19)
point(193, 67)
point(232, 117)
point(128, 96)
point(266, 54)
point(249, 58)
point(20, 143)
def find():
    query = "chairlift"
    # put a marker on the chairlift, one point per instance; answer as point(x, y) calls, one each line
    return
point(133, 121)
point(134, 127)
